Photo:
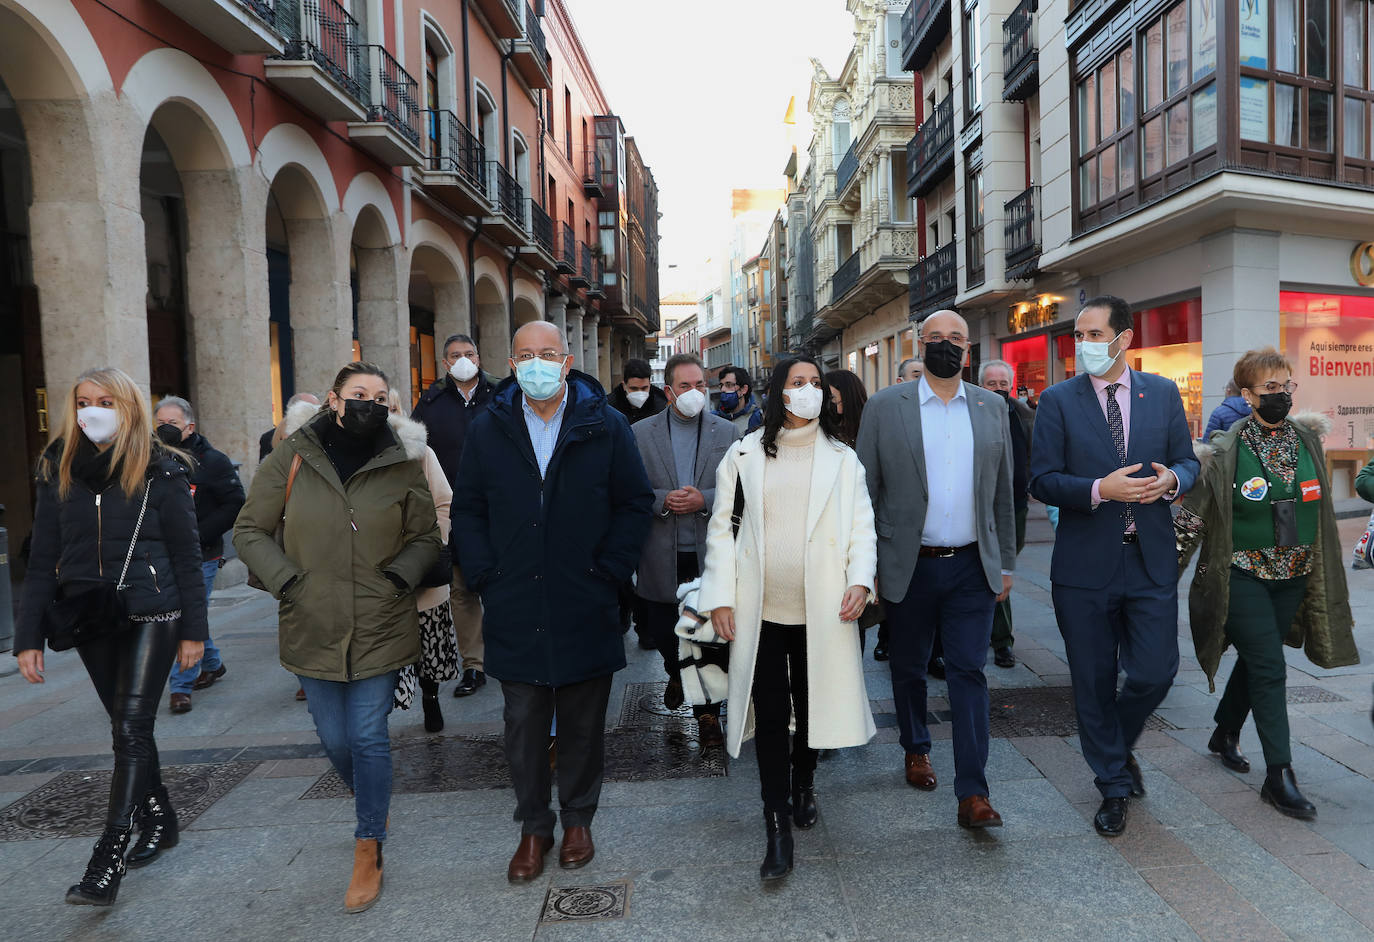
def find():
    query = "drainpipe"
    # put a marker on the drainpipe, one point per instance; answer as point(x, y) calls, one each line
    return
point(474, 324)
point(510, 293)
point(467, 80)
point(505, 110)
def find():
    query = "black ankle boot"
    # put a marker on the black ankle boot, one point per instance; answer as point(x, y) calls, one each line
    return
point(1281, 790)
point(434, 717)
point(100, 885)
point(157, 829)
point(804, 810)
point(777, 862)
point(1226, 743)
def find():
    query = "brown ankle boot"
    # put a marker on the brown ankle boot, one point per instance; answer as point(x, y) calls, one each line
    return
point(366, 884)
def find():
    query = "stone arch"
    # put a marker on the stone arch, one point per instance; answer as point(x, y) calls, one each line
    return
point(366, 191)
point(524, 311)
point(378, 277)
point(492, 323)
point(438, 293)
point(531, 295)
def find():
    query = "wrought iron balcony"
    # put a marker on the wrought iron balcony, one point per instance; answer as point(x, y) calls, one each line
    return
point(583, 277)
point(753, 336)
point(846, 276)
point(1023, 234)
point(529, 54)
point(503, 15)
point(540, 251)
point(844, 173)
point(591, 174)
point(243, 27)
point(566, 255)
point(1020, 58)
point(930, 155)
point(507, 198)
point(323, 65)
point(596, 289)
point(457, 168)
point(934, 280)
point(391, 132)
point(925, 23)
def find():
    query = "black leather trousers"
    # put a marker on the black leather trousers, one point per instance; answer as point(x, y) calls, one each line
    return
point(130, 672)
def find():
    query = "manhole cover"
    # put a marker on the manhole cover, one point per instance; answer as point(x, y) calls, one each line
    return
point(1041, 711)
point(74, 803)
point(583, 903)
point(1314, 695)
point(643, 706)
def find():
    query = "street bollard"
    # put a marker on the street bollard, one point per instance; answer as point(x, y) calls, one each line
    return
point(6, 601)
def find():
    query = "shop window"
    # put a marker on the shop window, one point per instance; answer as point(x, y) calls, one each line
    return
point(1329, 339)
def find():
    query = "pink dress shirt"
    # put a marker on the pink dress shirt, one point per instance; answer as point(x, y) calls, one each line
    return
point(1123, 399)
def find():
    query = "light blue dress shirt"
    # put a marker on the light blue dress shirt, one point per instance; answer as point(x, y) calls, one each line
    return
point(947, 438)
point(544, 435)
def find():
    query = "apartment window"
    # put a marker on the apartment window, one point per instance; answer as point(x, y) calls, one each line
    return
point(896, 185)
point(567, 123)
point(1147, 109)
point(432, 104)
point(974, 219)
point(609, 264)
point(488, 131)
point(839, 130)
point(973, 60)
point(844, 243)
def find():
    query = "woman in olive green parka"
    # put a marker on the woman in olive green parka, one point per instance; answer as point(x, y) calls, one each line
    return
point(359, 534)
point(1269, 573)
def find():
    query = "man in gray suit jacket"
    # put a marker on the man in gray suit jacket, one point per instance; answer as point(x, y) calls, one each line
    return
point(681, 447)
point(938, 455)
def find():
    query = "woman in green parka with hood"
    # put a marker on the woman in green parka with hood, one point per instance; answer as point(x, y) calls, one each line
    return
point(1270, 572)
point(359, 534)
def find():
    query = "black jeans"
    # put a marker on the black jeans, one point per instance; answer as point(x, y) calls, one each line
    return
point(529, 713)
point(129, 671)
point(779, 693)
point(661, 618)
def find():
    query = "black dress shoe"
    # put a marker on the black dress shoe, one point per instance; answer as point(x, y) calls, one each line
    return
point(1281, 790)
point(1110, 819)
point(1003, 657)
point(1137, 779)
point(1226, 743)
point(777, 858)
point(472, 679)
point(880, 652)
point(672, 694)
point(804, 810)
point(936, 668)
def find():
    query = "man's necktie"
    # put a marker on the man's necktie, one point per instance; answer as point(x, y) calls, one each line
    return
point(1118, 430)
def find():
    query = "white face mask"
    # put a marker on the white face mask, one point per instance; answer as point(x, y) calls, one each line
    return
point(638, 398)
point(463, 369)
point(690, 403)
point(1096, 356)
point(804, 401)
point(98, 422)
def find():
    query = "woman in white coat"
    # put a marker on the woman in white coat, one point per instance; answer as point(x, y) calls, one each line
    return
point(787, 592)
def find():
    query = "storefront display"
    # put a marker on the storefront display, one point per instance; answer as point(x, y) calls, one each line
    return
point(1330, 340)
point(1168, 341)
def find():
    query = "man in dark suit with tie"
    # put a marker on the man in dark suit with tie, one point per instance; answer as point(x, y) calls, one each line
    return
point(1111, 449)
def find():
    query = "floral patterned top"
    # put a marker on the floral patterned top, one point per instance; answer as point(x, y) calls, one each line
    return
point(1277, 449)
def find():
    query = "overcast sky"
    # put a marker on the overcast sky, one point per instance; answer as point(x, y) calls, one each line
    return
point(703, 85)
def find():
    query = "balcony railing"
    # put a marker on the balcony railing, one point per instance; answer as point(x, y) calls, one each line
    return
point(326, 34)
point(849, 163)
point(585, 269)
point(459, 150)
point(506, 195)
point(846, 276)
point(924, 24)
point(1020, 58)
point(753, 336)
point(930, 155)
point(534, 33)
point(399, 102)
point(934, 280)
point(566, 256)
point(1023, 234)
point(541, 228)
point(591, 173)
point(597, 287)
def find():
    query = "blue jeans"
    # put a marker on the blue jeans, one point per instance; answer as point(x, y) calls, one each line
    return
point(183, 679)
point(350, 718)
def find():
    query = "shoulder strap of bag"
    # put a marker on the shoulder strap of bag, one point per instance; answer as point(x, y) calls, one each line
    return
point(133, 540)
point(290, 480)
point(737, 514)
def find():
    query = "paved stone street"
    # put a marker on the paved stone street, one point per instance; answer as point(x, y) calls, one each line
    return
point(268, 853)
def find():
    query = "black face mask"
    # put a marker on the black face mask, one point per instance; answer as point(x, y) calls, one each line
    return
point(943, 358)
point(1004, 393)
point(168, 434)
point(1274, 407)
point(363, 417)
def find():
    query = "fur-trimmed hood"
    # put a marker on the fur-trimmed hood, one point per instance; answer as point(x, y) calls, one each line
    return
point(411, 434)
point(1317, 423)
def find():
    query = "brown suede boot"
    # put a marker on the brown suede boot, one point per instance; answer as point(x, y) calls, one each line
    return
point(366, 884)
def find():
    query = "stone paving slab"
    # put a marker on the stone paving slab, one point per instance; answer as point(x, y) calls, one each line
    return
point(1202, 858)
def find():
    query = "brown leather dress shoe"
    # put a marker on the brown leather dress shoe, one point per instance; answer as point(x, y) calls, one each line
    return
point(577, 850)
point(528, 862)
point(181, 703)
point(711, 733)
point(919, 774)
point(976, 812)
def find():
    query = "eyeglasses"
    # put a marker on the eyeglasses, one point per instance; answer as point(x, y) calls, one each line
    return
point(956, 339)
point(548, 356)
point(1270, 388)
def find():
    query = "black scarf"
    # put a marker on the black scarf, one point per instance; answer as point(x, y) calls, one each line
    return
point(93, 467)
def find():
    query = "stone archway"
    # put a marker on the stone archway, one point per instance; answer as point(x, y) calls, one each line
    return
point(493, 326)
point(380, 306)
point(525, 311)
point(438, 309)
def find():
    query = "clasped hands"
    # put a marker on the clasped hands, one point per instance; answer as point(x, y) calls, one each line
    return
point(1121, 486)
point(685, 500)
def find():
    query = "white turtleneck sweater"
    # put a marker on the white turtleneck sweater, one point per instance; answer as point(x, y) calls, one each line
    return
point(786, 495)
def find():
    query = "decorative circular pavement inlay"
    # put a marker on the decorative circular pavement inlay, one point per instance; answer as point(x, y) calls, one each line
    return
point(583, 903)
